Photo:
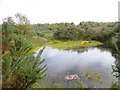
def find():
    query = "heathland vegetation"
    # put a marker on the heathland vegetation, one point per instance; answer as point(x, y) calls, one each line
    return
point(20, 38)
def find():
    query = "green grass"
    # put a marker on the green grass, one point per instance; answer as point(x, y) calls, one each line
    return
point(73, 44)
point(39, 42)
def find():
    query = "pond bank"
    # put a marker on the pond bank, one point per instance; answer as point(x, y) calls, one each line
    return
point(66, 45)
point(73, 44)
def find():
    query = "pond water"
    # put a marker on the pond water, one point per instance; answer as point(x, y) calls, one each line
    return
point(68, 62)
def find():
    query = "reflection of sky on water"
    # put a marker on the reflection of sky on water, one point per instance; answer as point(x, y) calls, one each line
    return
point(92, 56)
point(93, 59)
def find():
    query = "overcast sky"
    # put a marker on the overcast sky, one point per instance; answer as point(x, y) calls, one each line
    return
point(52, 11)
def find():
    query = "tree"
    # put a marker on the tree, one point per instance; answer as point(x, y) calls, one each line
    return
point(23, 24)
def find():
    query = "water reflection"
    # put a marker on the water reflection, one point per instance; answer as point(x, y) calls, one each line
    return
point(62, 62)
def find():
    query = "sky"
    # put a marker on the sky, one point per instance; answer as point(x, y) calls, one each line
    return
point(56, 11)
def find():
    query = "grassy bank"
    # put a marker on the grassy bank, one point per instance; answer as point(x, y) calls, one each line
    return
point(39, 42)
point(73, 44)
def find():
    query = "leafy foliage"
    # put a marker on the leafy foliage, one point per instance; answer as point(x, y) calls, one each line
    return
point(83, 31)
point(21, 69)
point(116, 53)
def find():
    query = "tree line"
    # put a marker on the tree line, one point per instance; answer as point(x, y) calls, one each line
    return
point(83, 31)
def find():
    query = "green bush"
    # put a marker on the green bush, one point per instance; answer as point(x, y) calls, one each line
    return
point(21, 69)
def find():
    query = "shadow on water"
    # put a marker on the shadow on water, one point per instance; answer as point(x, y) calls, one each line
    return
point(68, 62)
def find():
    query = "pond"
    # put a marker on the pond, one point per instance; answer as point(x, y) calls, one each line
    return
point(89, 62)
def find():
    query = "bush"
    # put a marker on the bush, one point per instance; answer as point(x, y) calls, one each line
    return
point(21, 69)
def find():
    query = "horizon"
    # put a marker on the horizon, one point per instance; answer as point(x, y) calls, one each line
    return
point(64, 22)
point(69, 22)
point(73, 22)
point(58, 11)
